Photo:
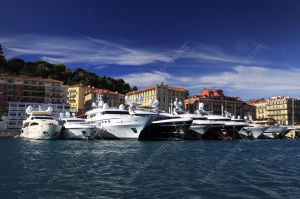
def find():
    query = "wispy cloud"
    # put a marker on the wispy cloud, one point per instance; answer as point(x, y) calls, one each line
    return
point(103, 52)
point(247, 82)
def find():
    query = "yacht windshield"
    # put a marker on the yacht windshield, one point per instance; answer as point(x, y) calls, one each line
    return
point(204, 118)
point(221, 119)
point(43, 118)
point(79, 121)
point(116, 112)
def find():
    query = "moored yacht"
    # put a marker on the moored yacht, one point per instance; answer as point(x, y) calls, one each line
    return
point(212, 126)
point(253, 131)
point(163, 125)
point(279, 132)
point(116, 123)
point(40, 125)
point(76, 128)
point(201, 124)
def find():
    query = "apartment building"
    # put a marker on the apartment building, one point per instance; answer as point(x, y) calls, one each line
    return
point(215, 101)
point(285, 110)
point(165, 94)
point(30, 89)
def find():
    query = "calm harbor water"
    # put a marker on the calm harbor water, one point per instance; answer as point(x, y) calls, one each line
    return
point(132, 169)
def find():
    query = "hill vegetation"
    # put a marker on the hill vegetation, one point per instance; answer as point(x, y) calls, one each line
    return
point(61, 72)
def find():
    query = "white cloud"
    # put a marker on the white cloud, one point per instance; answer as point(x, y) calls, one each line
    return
point(78, 50)
point(147, 78)
point(258, 81)
point(86, 49)
point(247, 82)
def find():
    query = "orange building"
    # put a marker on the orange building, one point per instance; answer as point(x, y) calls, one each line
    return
point(214, 100)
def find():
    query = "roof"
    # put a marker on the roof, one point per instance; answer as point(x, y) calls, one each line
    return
point(157, 86)
point(141, 90)
point(178, 89)
point(211, 92)
point(23, 77)
point(106, 91)
point(257, 101)
point(76, 85)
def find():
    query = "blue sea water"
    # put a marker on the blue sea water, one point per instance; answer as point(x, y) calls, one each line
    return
point(161, 169)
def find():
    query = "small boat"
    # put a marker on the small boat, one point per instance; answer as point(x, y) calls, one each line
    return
point(76, 128)
point(40, 125)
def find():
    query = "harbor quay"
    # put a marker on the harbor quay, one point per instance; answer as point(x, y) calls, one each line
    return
point(9, 133)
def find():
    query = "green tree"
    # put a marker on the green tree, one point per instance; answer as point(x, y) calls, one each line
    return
point(14, 66)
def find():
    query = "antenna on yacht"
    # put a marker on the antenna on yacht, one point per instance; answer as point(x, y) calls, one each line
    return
point(177, 105)
point(49, 110)
point(100, 100)
point(105, 106)
point(29, 109)
point(151, 102)
point(293, 112)
point(171, 106)
point(67, 114)
point(127, 99)
point(222, 110)
point(201, 106)
point(122, 107)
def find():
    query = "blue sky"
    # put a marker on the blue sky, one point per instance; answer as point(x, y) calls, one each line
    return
point(247, 48)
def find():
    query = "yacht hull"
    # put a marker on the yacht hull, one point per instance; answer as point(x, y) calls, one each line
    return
point(76, 133)
point(126, 128)
point(166, 129)
point(42, 132)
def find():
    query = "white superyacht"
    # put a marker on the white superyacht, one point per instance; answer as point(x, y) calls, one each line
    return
point(116, 123)
point(40, 125)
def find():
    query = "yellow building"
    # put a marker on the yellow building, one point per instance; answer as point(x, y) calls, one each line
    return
point(285, 110)
point(81, 97)
point(163, 93)
point(261, 108)
point(76, 97)
point(113, 99)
